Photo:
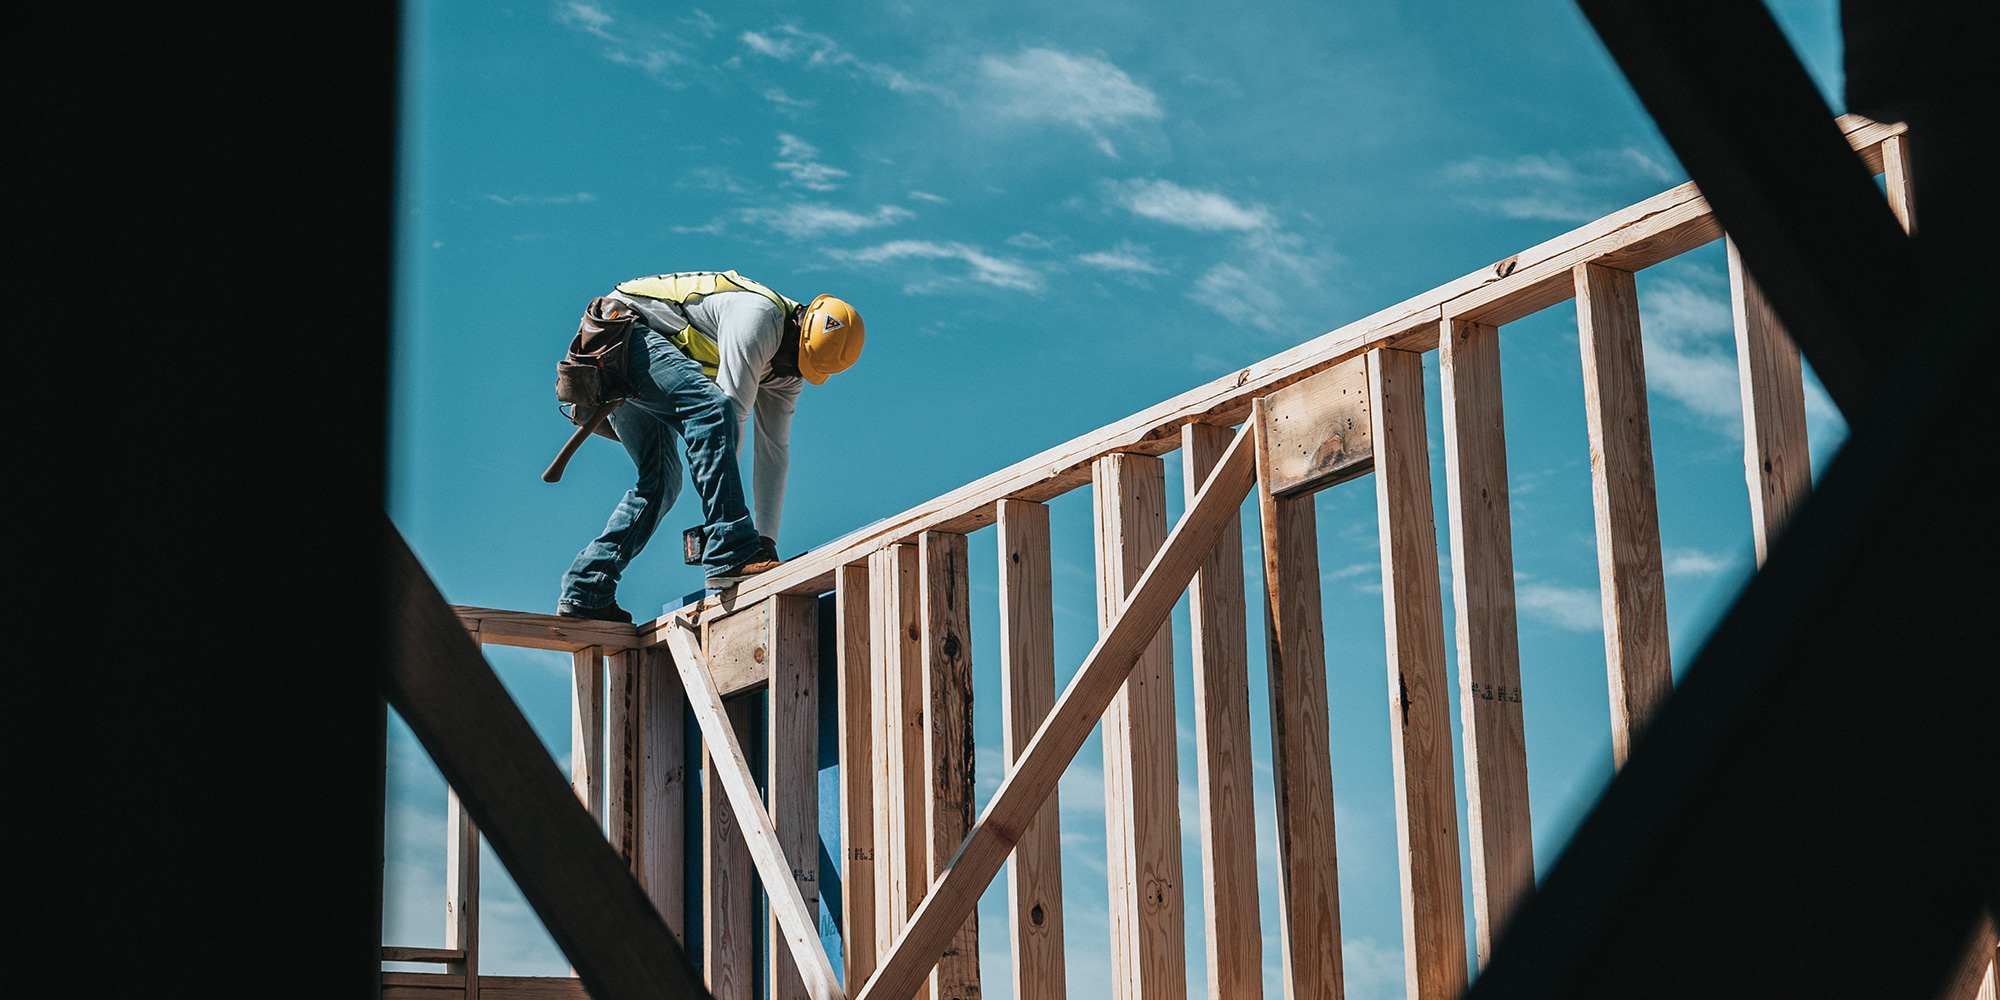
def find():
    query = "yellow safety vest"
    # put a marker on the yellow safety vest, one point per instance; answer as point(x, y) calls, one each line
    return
point(689, 287)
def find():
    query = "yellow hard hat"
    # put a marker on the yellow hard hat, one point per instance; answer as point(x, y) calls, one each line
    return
point(830, 337)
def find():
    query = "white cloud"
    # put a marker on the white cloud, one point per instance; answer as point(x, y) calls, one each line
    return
point(1030, 241)
point(1691, 345)
point(787, 44)
point(1695, 562)
point(801, 159)
point(777, 96)
point(1573, 609)
point(1040, 84)
point(932, 198)
point(1204, 211)
point(806, 219)
point(581, 197)
point(648, 49)
point(1553, 186)
point(986, 269)
point(1126, 258)
point(1371, 971)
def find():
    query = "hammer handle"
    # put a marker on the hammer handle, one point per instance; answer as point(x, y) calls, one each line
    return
point(555, 469)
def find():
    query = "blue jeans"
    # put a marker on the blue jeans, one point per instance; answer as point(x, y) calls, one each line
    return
point(673, 401)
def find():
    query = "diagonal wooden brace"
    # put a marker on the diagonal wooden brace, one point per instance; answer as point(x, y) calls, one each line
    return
point(801, 928)
point(1063, 732)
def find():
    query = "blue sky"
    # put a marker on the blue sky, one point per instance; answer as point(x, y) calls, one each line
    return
point(1051, 215)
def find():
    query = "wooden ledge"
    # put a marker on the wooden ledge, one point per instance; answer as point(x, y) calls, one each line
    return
point(495, 627)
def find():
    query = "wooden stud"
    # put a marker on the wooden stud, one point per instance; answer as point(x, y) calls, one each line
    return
point(586, 728)
point(857, 761)
point(1021, 796)
point(1489, 650)
point(728, 916)
point(1027, 689)
point(461, 893)
point(1221, 658)
point(1419, 699)
point(1973, 979)
point(796, 928)
point(1621, 483)
point(1301, 759)
point(622, 755)
point(529, 630)
point(661, 863)
point(1141, 762)
point(896, 605)
point(948, 745)
point(1776, 461)
point(792, 767)
point(1896, 181)
point(738, 647)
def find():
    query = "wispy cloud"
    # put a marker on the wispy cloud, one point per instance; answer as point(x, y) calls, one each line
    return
point(1695, 562)
point(787, 43)
point(581, 197)
point(985, 268)
point(1127, 258)
point(1203, 211)
point(1553, 186)
point(806, 219)
point(1690, 345)
point(1572, 609)
point(1371, 971)
point(651, 50)
point(1038, 84)
point(932, 198)
point(1030, 241)
point(800, 159)
point(786, 102)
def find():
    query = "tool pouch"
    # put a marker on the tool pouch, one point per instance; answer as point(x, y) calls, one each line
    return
point(597, 369)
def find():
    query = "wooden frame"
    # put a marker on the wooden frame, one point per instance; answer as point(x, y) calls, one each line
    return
point(1028, 689)
point(948, 746)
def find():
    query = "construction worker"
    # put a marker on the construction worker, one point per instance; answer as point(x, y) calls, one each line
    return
point(709, 349)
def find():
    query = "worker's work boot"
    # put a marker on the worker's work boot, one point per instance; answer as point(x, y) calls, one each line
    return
point(759, 563)
point(608, 613)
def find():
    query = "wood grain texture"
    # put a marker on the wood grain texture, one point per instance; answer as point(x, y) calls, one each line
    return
point(1316, 431)
point(1033, 779)
point(854, 671)
point(1973, 979)
point(1141, 763)
point(439, 956)
point(1419, 690)
point(661, 861)
point(1027, 690)
point(461, 894)
point(482, 744)
point(729, 909)
point(586, 728)
point(796, 928)
point(1629, 571)
point(1633, 238)
point(1896, 181)
point(792, 766)
point(622, 755)
point(436, 986)
point(1489, 650)
point(948, 744)
point(533, 631)
point(1218, 632)
point(1301, 762)
point(1777, 463)
point(739, 645)
point(902, 860)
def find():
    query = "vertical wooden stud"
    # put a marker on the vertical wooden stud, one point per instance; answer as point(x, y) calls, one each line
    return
point(1621, 483)
point(728, 906)
point(661, 862)
point(1219, 634)
point(461, 892)
point(1301, 756)
point(1419, 699)
point(586, 728)
point(1776, 461)
point(1489, 650)
point(1027, 692)
point(903, 880)
point(1896, 181)
point(622, 754)
point(1141, 779)
point(948, 745)
point(857, 762)
point(792, 766)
